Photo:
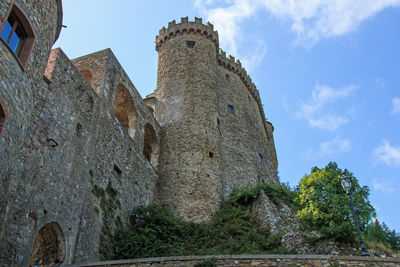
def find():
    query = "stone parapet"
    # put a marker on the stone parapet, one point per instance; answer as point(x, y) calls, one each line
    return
point(255, 260)
point(186, 26)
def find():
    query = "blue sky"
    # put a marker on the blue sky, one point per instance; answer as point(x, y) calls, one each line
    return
point(328, 73)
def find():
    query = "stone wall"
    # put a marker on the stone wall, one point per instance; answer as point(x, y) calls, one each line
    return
point(22, 89)
point(255, 260)
point(68, 167)
point(76, 146)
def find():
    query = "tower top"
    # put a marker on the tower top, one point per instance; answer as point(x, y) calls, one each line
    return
point(186, 26)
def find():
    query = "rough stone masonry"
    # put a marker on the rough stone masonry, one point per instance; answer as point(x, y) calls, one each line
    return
point(80, 148)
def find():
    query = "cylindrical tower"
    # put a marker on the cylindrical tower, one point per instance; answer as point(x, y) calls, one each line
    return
point(187, 110)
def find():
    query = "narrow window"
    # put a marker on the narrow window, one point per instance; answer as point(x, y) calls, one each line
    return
point(190, 44)
point(211, 154)
point(260, 158)
point(18, 34)
point(117, 170)
point(218, 123)
point(78, 129)
point(2, 118)
point(230, 108)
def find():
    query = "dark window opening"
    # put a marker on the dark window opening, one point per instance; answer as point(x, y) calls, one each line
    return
point(211, 154)
point(260, 158)
point(190, 44)
point(18, 34)
point(53, 143)
point(117, 170)
point(230, 108)
point(78, 129)
point(2, 119)
point(218, 123)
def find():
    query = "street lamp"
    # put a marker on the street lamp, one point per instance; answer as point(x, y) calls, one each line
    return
point(345, 180)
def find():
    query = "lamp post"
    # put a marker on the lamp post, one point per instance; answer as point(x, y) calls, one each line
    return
point(345, 180)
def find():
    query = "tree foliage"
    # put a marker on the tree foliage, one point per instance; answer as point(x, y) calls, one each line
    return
point(381, 234)
point(324, 206)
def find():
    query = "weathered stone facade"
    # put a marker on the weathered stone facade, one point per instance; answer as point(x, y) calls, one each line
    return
point(79, 147)
point(215, 136)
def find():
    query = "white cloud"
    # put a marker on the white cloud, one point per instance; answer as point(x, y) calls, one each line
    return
point(395, 105)
point(311, 20)
point(328, 122)
point(388, 154)
point(383, 186)
point(226, 20)
point(317, 19)
point(314, 110)
point(329, 148)
point(256, 58)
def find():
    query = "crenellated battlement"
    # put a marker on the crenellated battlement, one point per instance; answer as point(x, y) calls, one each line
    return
point(186, 26)
point(236, 67)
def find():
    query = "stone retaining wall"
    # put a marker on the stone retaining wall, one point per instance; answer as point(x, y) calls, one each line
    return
point(254, 260)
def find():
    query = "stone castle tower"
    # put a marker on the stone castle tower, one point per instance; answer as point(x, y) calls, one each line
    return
point(216, 137)
point(80, 148)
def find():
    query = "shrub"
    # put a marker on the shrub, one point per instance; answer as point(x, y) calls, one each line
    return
point(154, 231)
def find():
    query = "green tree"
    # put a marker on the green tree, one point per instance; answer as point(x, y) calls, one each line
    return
point(324, 206)
point(381, 233)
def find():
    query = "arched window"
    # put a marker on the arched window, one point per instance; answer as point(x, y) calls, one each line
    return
point(124, 110)
point(87, 75)
point(18, 33)
point(151, 146)
point(49, 247)
point(2, 118)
